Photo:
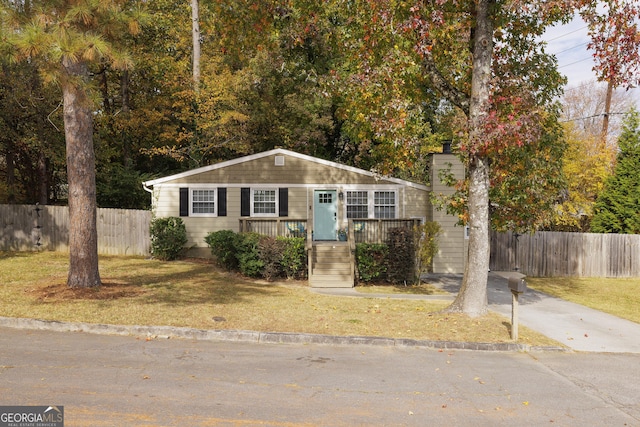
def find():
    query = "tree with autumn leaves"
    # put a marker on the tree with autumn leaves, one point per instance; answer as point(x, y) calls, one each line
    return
point(375, 84)
point(523, 22)
point(617, 209)
point(486, 59)
point(589, 158)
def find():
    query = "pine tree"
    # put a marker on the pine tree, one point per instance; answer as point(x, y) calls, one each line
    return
point(617, 209)
point(64, 39)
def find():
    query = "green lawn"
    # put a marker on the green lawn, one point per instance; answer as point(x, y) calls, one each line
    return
point(620, 297)
point(197, 294)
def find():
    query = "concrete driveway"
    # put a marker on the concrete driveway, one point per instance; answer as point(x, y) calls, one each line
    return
point(576, 326)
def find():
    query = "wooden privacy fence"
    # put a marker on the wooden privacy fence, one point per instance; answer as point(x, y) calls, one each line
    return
point(548, 254)
point(31, 228)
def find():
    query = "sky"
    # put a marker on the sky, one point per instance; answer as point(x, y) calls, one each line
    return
point(569, 44)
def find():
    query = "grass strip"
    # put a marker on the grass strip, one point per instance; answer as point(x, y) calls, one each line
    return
point(197, 294)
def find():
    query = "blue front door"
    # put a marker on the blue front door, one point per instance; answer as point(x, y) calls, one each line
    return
point(325, 219)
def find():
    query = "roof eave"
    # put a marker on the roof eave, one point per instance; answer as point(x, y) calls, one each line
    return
point(276, 151)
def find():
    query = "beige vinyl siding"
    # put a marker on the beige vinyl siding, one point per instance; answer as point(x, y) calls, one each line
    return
point(167, 203)
point(298, 202)
point(452, 245)
point(264, 170)
point(414, 203)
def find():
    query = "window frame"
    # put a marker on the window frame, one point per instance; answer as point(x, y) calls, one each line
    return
point(395, 203)
point(213, 198)
point(371, 206)
point(276, 202)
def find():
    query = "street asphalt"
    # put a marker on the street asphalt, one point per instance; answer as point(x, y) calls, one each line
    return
point(107, 381)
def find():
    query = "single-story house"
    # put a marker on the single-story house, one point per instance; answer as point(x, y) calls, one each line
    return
point(281, 192)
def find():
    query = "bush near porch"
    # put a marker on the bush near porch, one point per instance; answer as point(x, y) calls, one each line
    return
point(272, 258)
point(257, 255)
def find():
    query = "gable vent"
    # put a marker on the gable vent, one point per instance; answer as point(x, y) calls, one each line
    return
point(279, 160)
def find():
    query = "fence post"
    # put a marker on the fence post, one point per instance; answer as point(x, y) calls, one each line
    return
point(38, 227)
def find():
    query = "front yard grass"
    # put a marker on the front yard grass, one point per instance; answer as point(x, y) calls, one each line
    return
point(620, 297)
point(411, 289)
point(197, 294)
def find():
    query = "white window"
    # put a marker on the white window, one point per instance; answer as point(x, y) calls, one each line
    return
point(384, 204)
point(264, 202)
point(371, 204)
point(357, 204)
point(203, 202)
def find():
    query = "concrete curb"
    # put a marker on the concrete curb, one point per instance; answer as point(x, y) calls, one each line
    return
point(168, 332)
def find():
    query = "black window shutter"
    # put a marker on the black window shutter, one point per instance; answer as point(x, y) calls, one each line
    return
point(222, 202)
point(184, 202)
point(283, 202)
point(245, 202)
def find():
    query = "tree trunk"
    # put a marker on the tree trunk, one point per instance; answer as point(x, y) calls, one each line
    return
point(472, 297)
point(81, 177)
point(43, 178)
point(126, 108)
point(195, 32)
point(42, 193)
point(11, 173)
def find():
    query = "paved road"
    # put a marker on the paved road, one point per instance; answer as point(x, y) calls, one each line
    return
point(106, 380)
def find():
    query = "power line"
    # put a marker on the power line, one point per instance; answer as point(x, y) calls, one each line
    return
point(571, 48)
point(575, 62)
point(592, 117)
point(566, 34)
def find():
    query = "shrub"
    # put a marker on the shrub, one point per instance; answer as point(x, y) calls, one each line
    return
point(270, 251)
point(256, 255)
point(426, 242)
point(371, 261)
point(168, 237)
point(294, 257)
point(249, 260)
point(401, 256)
point(224, 248)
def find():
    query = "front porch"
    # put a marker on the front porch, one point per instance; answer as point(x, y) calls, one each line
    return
point(331, 263)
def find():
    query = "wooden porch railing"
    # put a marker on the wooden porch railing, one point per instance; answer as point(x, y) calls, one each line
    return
point(275, 226)
point(358, 230)
point(377, 230)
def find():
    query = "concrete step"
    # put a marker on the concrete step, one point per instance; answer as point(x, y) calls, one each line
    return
point(343, 269)
point(331, 266)
point(330, 283)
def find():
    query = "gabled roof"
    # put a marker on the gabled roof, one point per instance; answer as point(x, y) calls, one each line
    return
point(280, 151)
